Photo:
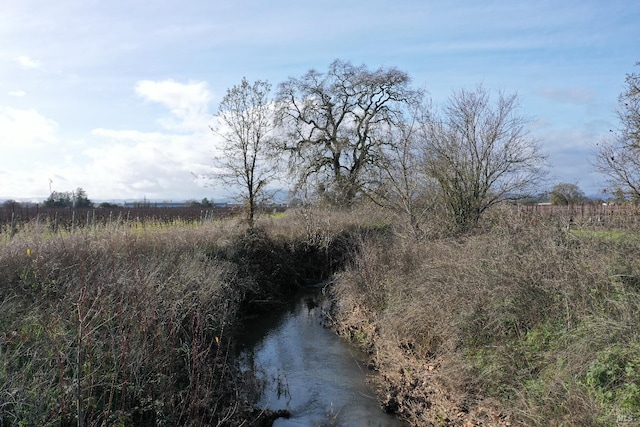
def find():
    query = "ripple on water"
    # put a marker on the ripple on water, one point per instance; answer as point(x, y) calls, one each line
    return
point(309, 371)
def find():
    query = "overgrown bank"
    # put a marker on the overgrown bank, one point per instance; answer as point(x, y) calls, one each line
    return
point(135, 327)
point(520, 323)
point(517, 325)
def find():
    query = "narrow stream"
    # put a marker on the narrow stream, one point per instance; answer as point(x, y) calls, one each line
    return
point(308, 370)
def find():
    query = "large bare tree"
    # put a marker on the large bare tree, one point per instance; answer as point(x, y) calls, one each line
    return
point(619, 156)
point(245, 123)
point(480, 154)
point(334, 124)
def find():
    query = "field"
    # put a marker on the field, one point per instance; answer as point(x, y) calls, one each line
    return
point(594, 215)
point(16, 218)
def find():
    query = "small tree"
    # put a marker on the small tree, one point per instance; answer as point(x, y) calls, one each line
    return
point(619, 156)
point(81, 200)
point(567, 194)
point(480, 154)
point(245, 125)
point(68, 199)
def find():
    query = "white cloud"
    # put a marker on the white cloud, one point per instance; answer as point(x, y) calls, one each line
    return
point(188, 103)
point(25, 128)
point(27, 62)
point(17, 93)
point(154, 165)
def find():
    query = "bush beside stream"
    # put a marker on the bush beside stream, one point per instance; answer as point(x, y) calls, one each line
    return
point(135, 325)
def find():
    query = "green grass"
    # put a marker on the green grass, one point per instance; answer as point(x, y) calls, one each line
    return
point(607, 235)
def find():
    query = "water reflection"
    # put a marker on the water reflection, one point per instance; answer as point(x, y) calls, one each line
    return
point(309, 371)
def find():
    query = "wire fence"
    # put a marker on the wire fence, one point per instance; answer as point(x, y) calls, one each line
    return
point(610, 215)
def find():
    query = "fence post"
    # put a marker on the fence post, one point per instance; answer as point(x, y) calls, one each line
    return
point(14, 229)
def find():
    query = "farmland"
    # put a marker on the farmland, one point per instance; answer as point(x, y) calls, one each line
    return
point(17, 217)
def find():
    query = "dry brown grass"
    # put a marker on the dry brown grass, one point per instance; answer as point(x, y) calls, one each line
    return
point(116, 328)
point(519, 315)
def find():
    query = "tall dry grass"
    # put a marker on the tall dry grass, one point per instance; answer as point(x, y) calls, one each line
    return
point(133, 324)
point(533, 320)
point(117, 328)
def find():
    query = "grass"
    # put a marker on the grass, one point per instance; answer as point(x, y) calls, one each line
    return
point(115, 328)
point(606, 234)
point(520, 323)
point(133, 324)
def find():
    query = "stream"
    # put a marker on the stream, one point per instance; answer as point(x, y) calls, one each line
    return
point(308, 370)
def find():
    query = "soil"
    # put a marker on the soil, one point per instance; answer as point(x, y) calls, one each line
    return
point(413, 387)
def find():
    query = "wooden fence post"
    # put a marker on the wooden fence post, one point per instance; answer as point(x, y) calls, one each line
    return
point(14, 229)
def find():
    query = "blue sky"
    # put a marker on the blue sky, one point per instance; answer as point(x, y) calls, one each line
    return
point(117, 96)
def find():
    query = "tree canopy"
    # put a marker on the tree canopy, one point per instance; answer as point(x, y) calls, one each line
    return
point(68, 199)
point(480, 154)
point(335, 122)
point(565, 193)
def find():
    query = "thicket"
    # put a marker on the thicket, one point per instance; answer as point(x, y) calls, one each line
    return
point(521, 322)
point(135, 326)
point(118, 329)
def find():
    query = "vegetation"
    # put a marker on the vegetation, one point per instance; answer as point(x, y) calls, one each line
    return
point(68, 199)
point(246, 126)
point(522, 322)
point(334, 124)
point(81, 317)
point(619, 156)
point(480, 154)
point(567, 194)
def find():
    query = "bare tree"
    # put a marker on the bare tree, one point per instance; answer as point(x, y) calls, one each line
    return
point(619, 156)
point(334, 123)
point(246, 125)
point(480, 154)
point(404, 187)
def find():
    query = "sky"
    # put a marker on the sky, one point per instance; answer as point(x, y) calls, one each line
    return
point(118, 96)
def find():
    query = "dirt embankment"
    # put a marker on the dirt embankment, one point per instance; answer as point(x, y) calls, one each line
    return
point(413, 387)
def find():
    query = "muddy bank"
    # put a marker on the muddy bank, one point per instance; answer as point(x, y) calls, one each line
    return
point(413, 388)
